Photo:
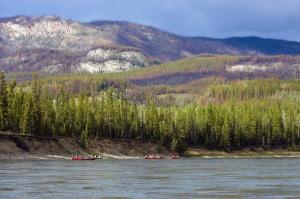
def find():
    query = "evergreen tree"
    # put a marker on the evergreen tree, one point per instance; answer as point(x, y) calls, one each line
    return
point(26, 125)
point(83, 137)
point(3, 103)
point(36, 108)
point(225, 138)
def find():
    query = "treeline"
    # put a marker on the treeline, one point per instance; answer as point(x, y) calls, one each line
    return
point(229, 126)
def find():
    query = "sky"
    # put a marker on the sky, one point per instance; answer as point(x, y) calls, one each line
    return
point(211, 18)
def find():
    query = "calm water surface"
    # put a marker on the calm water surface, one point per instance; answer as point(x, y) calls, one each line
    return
point(186, 178)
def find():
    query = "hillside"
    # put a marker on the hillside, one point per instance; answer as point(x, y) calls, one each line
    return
point(178, 82)
point(51, 45)
point(213, 102)
point(167, 46)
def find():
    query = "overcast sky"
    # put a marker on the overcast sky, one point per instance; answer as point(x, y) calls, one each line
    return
point(211, 18)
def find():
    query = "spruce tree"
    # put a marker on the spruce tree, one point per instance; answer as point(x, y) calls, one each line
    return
point(27, 118)
point(3, 103)
point(225, 138)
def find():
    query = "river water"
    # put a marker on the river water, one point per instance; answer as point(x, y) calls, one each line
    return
point(185, 178)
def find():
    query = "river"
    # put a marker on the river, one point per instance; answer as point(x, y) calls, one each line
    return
point(184, 178)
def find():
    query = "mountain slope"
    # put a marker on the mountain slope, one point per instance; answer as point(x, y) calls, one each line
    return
point(160, 44)
point(78, 47)
point(50, 44)
point(168, 46)
point(263, 46)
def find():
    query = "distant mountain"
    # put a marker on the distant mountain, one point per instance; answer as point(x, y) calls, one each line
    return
point(53, 45)
point(162, 45)
point(263, 46)
point(50, 44)
point(168, 46)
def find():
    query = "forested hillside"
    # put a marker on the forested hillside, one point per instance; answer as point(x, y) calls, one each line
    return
point(217, 102)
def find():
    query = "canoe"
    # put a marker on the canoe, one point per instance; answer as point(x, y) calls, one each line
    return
point(175, 157)
point(83, 158)
point(153, 157)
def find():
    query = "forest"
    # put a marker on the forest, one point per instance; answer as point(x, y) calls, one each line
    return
point(214, 112)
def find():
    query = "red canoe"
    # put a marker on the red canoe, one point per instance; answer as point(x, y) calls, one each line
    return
point(83, 158)
point(175, 157)
point(151, 157)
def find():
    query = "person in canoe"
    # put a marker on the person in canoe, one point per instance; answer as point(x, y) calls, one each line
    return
point(153, 157)
point(82, 158)
point(98, 157)
point(175, 156)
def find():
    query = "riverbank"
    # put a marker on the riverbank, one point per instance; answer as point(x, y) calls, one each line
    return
point(14, 146)
point(243, 153)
